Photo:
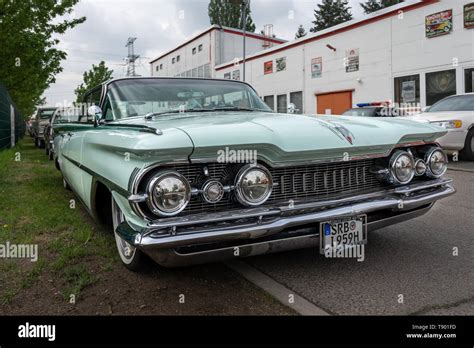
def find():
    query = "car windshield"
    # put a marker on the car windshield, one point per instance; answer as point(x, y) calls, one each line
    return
point(67, 115)
point(139, 97)
point(46, 113)
point(360, 112)
point(456, 103)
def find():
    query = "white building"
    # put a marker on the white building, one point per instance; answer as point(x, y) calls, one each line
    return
point(198, 56)
point(416, 52)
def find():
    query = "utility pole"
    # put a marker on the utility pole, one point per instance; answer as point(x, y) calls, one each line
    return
point(132, 57)
point(245, 3)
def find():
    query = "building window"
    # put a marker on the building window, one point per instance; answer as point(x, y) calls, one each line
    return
point(270, 101)
point(297, 99)
point(281, 103)
point(207, 70)
point(194, 50)
point(439, 85)
point(468, 80)
point(172, 61)
point(227, 76)
point(200, 47)
point(161, 66)
point(177, 59)
point(407, 89)
point(157, 68)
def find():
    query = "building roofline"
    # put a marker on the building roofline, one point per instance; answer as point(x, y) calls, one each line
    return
point(346, 26)
point(225, 29)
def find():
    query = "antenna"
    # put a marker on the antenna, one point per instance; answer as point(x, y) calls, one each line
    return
point(132, 57)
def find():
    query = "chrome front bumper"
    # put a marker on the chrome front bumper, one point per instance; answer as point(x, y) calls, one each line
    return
point(255, 223)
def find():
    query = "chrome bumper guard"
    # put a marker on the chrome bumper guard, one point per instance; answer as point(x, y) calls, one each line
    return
point(261, 222)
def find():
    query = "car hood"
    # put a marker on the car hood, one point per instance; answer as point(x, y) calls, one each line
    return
point(441, 116)
point(292, 138)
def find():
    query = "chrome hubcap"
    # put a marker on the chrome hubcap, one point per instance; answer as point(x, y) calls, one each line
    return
point(126, 250)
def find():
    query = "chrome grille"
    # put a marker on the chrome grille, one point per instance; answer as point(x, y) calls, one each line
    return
point(322, 180)
point(318, 181)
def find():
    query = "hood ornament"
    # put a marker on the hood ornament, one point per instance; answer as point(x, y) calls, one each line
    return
point(338, 129)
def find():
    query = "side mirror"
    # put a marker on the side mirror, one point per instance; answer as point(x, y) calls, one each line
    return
point(291, 108)
point(96, 112)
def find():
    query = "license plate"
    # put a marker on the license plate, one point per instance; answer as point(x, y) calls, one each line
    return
point(343, 231)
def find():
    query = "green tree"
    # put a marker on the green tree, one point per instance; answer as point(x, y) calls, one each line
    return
point(330, 13)
point(374, 5)
point(300, 32)
point(228, 13)
point(92, 78)
point(29, 57)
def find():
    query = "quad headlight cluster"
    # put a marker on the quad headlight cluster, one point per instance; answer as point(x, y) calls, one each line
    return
point(168, 192)
point(403, 166)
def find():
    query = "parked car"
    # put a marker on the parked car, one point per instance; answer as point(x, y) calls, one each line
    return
point(371, 109)
point(191, 170)
point(61, 115)
point(41, 120)
point(456, 114)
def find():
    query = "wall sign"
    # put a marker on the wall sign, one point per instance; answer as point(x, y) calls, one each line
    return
point(352, 60)
point(268, 67)
point(408, 91)
point(469, 16)
point(439, 23)
point(236, 75)
point(316, 67)
point(280, 64)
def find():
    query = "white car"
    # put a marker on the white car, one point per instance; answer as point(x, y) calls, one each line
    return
point(456, 114)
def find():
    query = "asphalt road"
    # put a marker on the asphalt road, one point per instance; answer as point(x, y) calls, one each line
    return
point(414, 259)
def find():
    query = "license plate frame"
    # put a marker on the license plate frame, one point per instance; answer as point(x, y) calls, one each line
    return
point(362, 229)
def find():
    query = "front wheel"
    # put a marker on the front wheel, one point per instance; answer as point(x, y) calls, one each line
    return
point(468, 152)
point(131, 257)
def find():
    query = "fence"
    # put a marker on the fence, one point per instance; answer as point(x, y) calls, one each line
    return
point(12, 124)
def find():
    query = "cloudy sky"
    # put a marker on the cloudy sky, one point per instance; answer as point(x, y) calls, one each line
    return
point(158, 27)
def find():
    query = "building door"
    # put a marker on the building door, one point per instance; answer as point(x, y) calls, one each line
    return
point(334, 103)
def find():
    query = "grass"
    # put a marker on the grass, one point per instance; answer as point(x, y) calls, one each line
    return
point(35, 209)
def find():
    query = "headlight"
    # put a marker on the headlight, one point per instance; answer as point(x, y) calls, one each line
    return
point(402, 167)
point(420, 167)
point(253, 185)
point(168, 193)
point(449, 124)
point(212, 191)
point(436, 162)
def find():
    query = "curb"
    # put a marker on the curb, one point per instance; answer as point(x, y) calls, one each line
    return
point(275, 289)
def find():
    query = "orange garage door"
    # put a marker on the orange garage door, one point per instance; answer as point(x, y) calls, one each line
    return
point(334, 102)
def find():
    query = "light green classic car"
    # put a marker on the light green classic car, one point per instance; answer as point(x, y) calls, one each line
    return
point(194, 170)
